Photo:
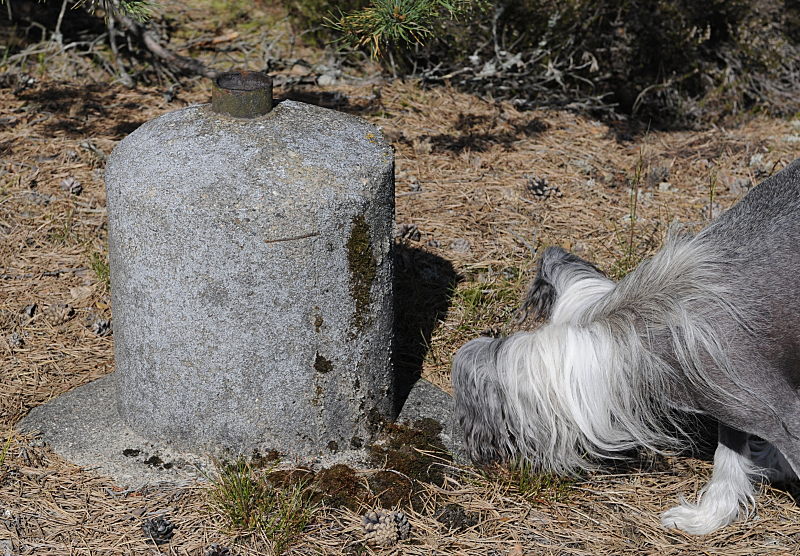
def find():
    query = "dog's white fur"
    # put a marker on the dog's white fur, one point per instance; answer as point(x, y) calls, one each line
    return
point(615, 363)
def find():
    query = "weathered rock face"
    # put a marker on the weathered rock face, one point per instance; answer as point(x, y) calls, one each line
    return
point(252, 279)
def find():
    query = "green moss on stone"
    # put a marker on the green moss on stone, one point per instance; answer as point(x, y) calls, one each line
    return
point(363, 269)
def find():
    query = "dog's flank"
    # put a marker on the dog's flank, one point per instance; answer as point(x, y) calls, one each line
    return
point(708, 324)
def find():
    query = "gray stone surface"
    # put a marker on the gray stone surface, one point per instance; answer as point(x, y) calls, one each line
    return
point(84, 427)
point(252, 280)
point(426, 401)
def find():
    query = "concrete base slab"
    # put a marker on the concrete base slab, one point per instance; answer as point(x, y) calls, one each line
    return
point(84, 427)
point(428, 401)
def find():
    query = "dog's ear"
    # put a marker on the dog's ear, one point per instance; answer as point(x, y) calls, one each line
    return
point(544, 290)
point(541, 295)
point(539, 300)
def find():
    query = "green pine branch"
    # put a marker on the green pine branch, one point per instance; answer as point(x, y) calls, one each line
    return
point(140, 10)
point(388, 23)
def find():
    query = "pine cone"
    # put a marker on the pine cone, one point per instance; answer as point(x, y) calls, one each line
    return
point(15, 340)
point(540, 188)
point(59, 313)
point(218, 550)
point(384, 528)
point(71, 185)
point(158, 529)
point(101, 327)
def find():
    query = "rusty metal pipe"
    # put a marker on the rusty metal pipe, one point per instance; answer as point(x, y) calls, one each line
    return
point(242, 94)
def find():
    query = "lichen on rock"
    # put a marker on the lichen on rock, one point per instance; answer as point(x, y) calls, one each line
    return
point(363, 268)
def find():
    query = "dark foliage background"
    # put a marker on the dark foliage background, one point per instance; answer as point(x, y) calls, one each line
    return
point(672, 63)
point(667, 63)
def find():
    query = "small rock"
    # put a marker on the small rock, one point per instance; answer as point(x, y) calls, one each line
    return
point(460, 245)
point(80, 293)
point(29, 310)
point(409, 231)
point(37, 442)
point(489, 69)
point(72, 186)
point(582, 164)
point(711, 211)
point(757, 160)
point(657, 175)
point(327, 79)
point(94, 149)
point(433, 243)
point(664, 186)
point(300, 68)
point(36, 198)
point(580, 249)
point(739, 186)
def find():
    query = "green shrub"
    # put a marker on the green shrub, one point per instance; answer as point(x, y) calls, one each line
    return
point(669, 62)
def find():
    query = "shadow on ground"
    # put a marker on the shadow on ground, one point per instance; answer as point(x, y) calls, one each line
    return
point(423, 287)
point(77, 111)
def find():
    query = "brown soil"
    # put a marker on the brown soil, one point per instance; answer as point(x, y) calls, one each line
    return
point(481, 187)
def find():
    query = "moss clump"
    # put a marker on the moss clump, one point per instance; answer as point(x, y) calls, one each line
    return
point(339, 487)
point(322, 365)
point(404, 449)
point(535, 486)
point(408, 452)
point(335, 487)
point(392, 489)
point(363, 269)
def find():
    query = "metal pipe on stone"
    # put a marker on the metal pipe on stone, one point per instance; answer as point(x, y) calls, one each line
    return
point(251, 275)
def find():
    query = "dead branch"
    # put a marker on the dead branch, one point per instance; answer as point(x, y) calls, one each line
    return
point(149, 39)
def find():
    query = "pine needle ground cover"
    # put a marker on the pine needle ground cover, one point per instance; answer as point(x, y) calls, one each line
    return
point(481, 188)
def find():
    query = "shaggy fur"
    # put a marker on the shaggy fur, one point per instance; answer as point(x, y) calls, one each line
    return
point(709, 324)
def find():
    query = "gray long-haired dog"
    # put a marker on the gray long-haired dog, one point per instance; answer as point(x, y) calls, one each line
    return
point(710, 324)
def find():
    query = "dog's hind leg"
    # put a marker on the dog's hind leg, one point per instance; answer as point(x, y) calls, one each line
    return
point(775, 465)
point(727, 496)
